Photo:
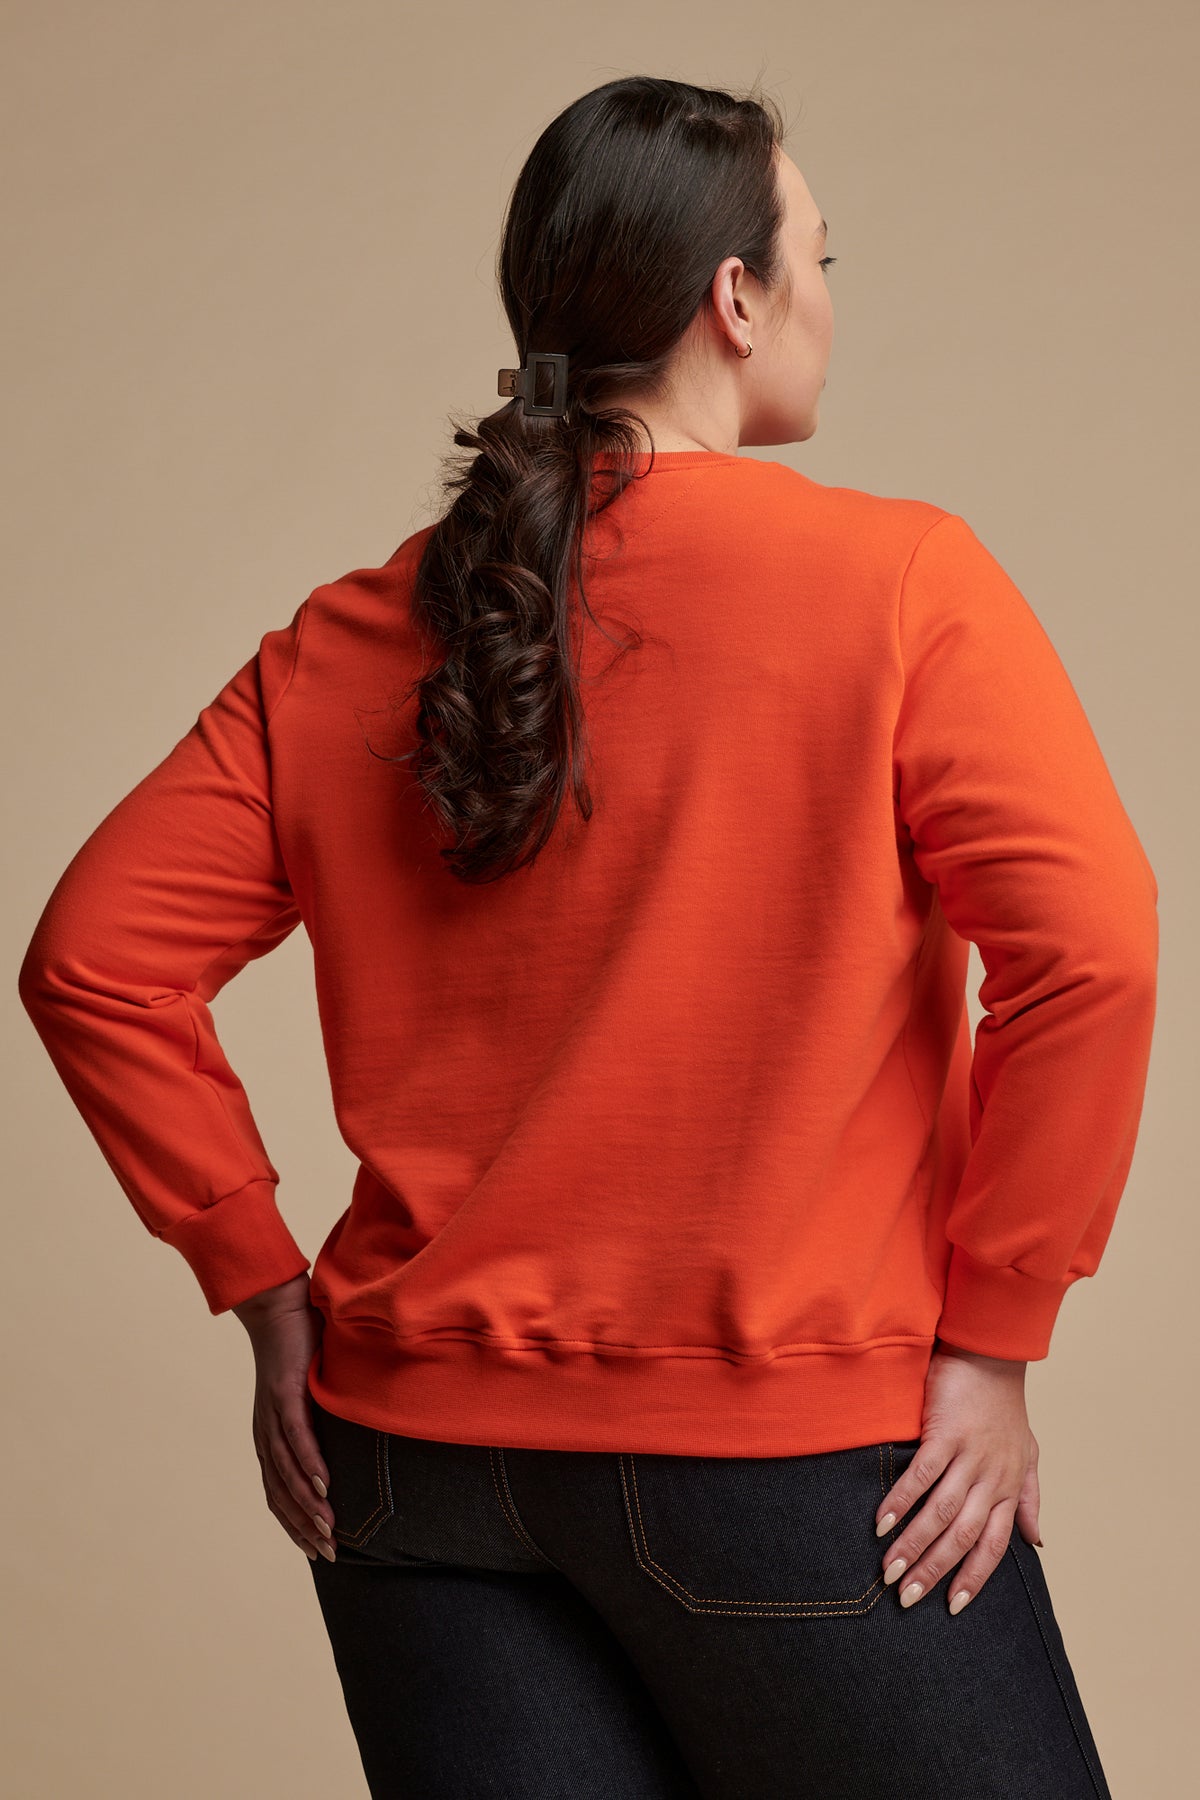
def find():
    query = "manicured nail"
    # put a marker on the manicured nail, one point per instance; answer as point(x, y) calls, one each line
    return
point(912, 1592)
point(327, 1551)
point(894, 1571)
point(1039, 1543)
point(885, 1524)
point(959, 1601)
point(320, 1487)
point(321, 1525)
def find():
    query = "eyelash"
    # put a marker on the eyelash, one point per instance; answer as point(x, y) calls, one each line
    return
point(826, 260)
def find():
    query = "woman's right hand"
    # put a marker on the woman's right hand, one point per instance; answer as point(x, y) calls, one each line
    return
point(284, 1328)
point(976, 1445)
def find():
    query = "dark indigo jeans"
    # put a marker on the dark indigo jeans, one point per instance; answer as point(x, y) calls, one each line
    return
point(570, 1625)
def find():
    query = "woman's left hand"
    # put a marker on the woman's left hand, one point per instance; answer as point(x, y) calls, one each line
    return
point(980, 1458)
point(284, 1329)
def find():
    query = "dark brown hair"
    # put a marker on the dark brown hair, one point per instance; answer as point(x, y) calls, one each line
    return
point(626, 205)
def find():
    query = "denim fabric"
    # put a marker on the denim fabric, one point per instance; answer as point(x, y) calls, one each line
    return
point(512, 1624)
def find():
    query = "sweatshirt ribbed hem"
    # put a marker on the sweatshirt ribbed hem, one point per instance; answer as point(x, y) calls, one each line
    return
point(465, 1391)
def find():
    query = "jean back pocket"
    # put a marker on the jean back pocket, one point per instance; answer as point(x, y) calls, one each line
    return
point(762, 1537)
point(360, 1482)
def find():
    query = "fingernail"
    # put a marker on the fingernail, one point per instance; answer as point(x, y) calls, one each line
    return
point(321, 1525)
point(310, 1553)
point(959, 1601)
point(320, 1487)
point(912, 1592)
point(885, 1524)
point(894, 1571)
point(327, 1551)
point(1039, 1543)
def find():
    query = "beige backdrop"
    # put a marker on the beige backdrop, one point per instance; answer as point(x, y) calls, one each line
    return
point(249, 272)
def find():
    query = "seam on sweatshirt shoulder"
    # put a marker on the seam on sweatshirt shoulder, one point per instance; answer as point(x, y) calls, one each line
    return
point(904, 574)
point(911, 558)
point(302, 620)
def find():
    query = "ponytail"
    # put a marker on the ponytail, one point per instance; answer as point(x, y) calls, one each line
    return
point(628, 202)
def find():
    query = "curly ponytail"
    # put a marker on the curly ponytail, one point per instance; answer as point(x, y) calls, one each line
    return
point(624, 208)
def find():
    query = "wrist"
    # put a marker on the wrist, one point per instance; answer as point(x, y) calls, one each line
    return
point(273, 1302)
point(1002, 1364)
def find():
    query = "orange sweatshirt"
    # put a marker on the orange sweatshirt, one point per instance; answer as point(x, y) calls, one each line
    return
point(676, 1140)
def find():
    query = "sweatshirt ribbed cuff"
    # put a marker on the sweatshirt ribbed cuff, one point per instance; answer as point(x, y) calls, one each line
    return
point(998, 1311)
point(238, 1246)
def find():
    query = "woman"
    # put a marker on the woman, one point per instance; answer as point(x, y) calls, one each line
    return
point(654, 1421)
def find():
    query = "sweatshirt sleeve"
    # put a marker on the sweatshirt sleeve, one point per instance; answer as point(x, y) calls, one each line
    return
point(177, 889)
point(1014, 818)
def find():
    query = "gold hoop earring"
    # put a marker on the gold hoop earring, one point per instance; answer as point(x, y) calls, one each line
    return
point(749, 348)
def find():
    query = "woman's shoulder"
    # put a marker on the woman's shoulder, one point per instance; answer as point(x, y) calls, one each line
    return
point(889, 523)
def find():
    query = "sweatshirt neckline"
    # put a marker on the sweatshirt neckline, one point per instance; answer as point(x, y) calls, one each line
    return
point(671, 459)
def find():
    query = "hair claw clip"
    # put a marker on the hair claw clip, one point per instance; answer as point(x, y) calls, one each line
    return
point(521, 382)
